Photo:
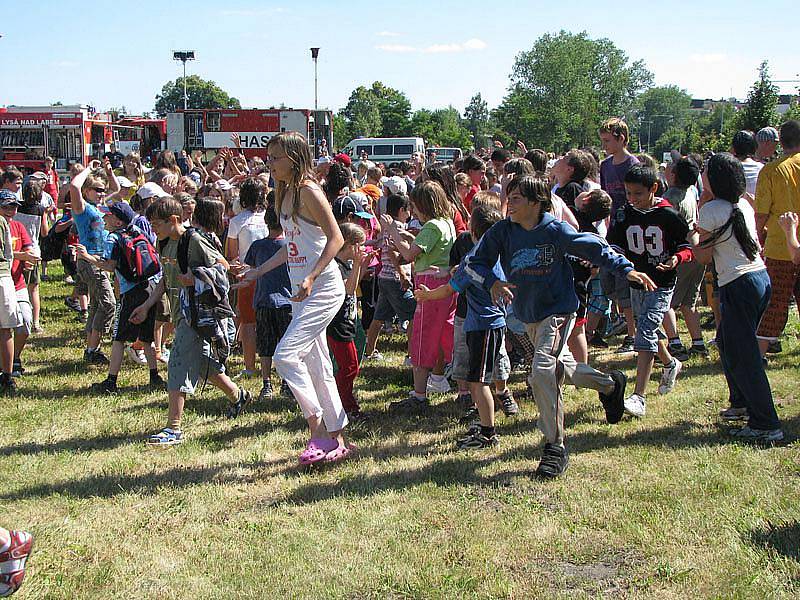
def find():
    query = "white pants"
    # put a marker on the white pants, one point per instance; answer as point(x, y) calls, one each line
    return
point(302, 358)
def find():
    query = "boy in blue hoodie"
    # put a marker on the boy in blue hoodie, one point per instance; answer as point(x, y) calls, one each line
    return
point(533, 247)
point(484, 329)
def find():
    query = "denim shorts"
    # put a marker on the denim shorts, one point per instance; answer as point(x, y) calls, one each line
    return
point(649, 309)
point(394, 300)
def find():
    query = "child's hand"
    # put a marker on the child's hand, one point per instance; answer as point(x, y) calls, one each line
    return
point(501, 292)
point(248, 276)
point(788, 222)
point(304, 290)
point(80, 251)
point(668, 265)
point(138, 315)
point(236, 267)
point(386, 220)
point(421, 293)
point(642, 279)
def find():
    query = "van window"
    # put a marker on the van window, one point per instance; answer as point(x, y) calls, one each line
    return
point(360, 149)
point(383, 150)
point(404, 149)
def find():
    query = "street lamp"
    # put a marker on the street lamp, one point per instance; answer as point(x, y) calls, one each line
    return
point(183, 56)
point(314, 56)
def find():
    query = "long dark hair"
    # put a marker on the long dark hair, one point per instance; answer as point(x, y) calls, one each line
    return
point(444, 177)
point(727, 181)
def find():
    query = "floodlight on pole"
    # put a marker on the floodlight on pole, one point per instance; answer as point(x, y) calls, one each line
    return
point(314, 56)
point(183, 56)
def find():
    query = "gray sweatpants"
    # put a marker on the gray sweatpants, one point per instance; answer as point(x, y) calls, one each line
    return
point(102, 303)
point(552, 363)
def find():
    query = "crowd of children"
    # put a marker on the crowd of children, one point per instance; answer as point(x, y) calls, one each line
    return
point(483, 264)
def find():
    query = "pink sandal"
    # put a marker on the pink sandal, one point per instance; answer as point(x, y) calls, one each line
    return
point(317, 449)
point(339, 453)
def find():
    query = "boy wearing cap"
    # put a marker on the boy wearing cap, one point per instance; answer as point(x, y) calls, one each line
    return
point(767, 139)
point(9, 312)
point(118, 219)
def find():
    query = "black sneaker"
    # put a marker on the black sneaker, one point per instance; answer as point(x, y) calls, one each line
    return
point(775, 347)
point(410, 404)
point(157, 384)
point(470, 414)
point(679, 351)
point(104, 387)
point(697, 350)
point(95, 357)
point(8, 387)
point(83, 316)
point(614, 403)
point(72, 304)
point(237, 408)
point(266, 392)
point(597, 341)
point(286, 391)
point(626, 346)
point(507, 403)
point(477, 441)
point(554, 461)
point(17, 369)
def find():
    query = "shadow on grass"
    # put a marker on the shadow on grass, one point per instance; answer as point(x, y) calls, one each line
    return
point(783, 539)
point(83, 444)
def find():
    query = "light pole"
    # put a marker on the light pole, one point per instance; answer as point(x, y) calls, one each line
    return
point(183, 56)
point(314, 56)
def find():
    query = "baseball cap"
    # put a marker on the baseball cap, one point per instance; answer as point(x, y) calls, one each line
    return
point(223, 185)
point(7, 198)
point(767, 134)
point(124, 182)
point(396, 185)
point(121, 210)
point(343, 158)
point(345, 206)
point(151, 190)
point(38, 175)
point(322, 160)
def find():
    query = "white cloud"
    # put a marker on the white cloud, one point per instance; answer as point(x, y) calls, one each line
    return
point(387, 34)
point(471, 44)
point(708, 59)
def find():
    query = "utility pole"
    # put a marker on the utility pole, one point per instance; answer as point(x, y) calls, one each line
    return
point(314, 57)
point(183, 56)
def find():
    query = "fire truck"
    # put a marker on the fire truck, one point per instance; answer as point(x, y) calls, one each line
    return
point(211, 129)
point(70, 134)
point(148, 135)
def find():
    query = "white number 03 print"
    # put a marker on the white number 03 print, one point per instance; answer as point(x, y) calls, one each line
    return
point(650, 239)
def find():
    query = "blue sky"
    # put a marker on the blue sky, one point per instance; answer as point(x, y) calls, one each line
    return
point(437, 52)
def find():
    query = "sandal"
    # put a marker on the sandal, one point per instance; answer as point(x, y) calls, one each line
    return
point(339, 453)
point(317, 450)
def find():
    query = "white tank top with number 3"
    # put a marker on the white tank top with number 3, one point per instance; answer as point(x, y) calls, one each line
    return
point(305, 242)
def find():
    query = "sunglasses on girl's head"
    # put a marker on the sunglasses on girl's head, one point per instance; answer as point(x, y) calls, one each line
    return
point(100, 190)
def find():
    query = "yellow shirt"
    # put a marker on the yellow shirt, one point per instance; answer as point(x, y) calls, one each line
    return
point(777, 192)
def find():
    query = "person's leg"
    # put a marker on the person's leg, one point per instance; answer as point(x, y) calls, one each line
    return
point(6, 351)
point(644, 368)
point(225, 384)
point(177, 400)
point(33, 291)
point(577, 344)
point(482, 396)
point(347, 361)
point(247, 334)
point(671, 326)
point(373, 332)
point(115, 362)
point(266, 367)
point(547, 376)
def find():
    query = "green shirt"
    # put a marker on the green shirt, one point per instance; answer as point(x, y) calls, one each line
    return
point(7, 254)
point(201, 254)
point(435, 238)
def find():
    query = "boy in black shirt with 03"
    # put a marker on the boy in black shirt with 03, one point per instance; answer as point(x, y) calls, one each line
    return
point(654, 237)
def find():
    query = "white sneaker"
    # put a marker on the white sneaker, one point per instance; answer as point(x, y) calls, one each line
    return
point(634, 405)
point(375, 357)
point(669, 376)
point(407, 362)
point(136, 355)
point(438, 384)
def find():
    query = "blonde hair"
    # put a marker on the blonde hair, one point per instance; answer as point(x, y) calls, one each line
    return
point(486, 198)
point(616, 127)
point(135, 162)
point(430, 199)
point(463, 179)
point(352, 234)
point(295, 146)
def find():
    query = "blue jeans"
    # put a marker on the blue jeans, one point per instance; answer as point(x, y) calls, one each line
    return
point(649, 309)
point(742, 302)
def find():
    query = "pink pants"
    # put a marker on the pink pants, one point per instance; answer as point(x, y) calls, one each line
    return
point(433, 325)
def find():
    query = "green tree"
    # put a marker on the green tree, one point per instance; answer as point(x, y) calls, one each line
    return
point(201, 94)
point(377, 111)
point(564, 87)
point(761, 102)
point(658, 109)
point(395, 110)
point(476, 117)
point(340, 133)
point(793, 113)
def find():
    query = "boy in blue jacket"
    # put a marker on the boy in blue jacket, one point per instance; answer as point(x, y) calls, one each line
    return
point(532, 247)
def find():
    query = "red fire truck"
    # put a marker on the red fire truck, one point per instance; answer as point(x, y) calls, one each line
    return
point(150, 135)
point(69, 134)
point(211, 129)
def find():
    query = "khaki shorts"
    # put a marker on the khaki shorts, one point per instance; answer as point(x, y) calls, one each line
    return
point(10, 317)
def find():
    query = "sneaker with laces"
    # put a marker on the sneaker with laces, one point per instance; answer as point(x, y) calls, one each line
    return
point(597, 341)
point(266, 392)
point(286, 391)
point(135, 354)
point(626, 346)
point(375, 357)
point(104, 387)
point(679, 351)
point(507, 403)
point(157, 383)
point(411, 404)
point(95, 357)
point(166, 437)
point(618, 327)
point(669, 376)
point(17, 369)
point(470, 414)
point(438, 384)
point(698, 350)
point(237, 408)
point(12, 562)
point(635, 405)
point(72, 304)
point(554, 461)
point(475, 440)
point(733, 413)
point(614, 402)
point(759, 436)
point(83, 316)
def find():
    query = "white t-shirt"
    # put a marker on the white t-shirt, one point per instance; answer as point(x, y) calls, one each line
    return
point(751, 170)
point(730, 260)
point(247, 227)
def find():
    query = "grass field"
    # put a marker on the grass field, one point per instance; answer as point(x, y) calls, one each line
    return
point(665, 507)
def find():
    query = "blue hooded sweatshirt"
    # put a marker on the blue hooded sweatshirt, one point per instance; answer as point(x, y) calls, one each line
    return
point(536, 263)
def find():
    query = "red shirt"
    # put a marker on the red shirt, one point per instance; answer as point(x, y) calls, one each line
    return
point(51, 187)
point(470, 195)
point(20, 241)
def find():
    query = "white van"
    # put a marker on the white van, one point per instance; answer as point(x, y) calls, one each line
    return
point(445, 155)
point(385, 150)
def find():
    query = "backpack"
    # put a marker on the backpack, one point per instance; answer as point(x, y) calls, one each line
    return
point(52, 245)
point(138, 260)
